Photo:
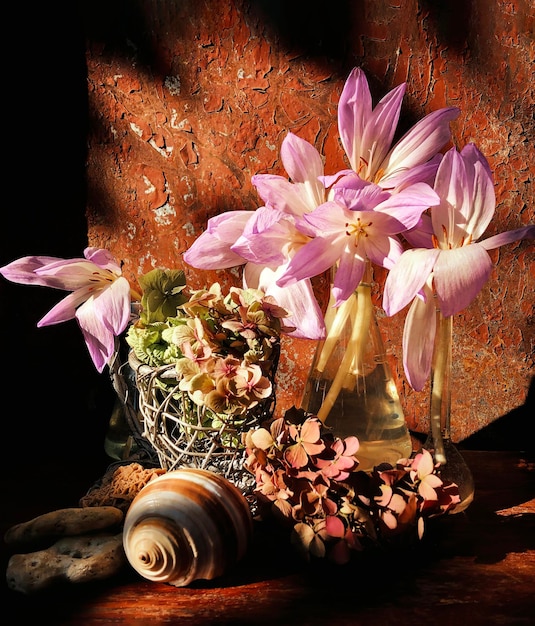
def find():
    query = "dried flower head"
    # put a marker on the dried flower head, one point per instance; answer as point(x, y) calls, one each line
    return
point(223, 346)
point(309, 479)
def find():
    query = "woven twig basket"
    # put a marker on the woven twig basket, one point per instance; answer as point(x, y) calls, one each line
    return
point(177, 428)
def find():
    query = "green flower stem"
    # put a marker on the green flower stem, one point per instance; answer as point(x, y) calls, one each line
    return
point(440, 386)
point(356, 346)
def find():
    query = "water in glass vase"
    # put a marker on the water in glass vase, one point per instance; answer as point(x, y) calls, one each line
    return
point(351, 388)
point(369, 410)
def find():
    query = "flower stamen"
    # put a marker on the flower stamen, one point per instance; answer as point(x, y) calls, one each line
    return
point(357, 229)
point(363, 164)
point(379, 175)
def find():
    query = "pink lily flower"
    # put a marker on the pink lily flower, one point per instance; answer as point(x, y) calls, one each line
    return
point(367, 134)
point(260, 269)
point(263, 241)
point(304, 166)
point(456, 267)
point(270, 238)
point(100, 299)
point(361, 222)
point(212, 249)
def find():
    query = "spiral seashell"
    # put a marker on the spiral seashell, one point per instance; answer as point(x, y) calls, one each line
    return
point(186, 525)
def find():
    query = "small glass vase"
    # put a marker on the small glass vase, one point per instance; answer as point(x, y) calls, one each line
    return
point(350, 386)
point(453, 466)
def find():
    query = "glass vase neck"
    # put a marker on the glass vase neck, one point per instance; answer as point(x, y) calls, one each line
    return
point(452, 464)
point(440, 401)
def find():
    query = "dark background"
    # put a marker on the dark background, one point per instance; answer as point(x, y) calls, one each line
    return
point(54, 402)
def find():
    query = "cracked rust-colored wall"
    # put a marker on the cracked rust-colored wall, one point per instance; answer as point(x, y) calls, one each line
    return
point(189, 99)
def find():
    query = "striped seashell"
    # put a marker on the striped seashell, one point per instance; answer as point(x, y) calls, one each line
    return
point(186, 525)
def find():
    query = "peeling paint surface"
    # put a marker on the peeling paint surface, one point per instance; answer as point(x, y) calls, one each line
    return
point(187, 103)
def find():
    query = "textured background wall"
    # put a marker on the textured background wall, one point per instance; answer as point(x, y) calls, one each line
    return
point(188, 100)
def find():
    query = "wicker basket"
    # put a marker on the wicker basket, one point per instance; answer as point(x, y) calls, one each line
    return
point(123, 379)
point(181, 433)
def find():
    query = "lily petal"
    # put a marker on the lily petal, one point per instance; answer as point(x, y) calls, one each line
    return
point(422, 173)
point(381, 127)
point(357, 194)
point(354, 111)
point(112, 306)
point(99, 339)
point(471, 154)
point(73, 274)
point(269, 239)
point(298, 299)
point(383, 251)
point(301, 160)
point(452, 187)
point(306, 190)
point(24, 271)
point(408, 205)
point(418, 340)
point(526, 232)
point(407, 278)
point(229, 224)
point(315, 257)
point(212, 249)
point(327, 218)
point(483, 200)
point(65, 309)
point(348, 275)
point(279, 193)
point(459, 276)
point(103, 258)
point(421, 142)
point(421, 235)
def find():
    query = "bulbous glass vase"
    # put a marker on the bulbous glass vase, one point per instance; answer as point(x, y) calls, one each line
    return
point(350, 386)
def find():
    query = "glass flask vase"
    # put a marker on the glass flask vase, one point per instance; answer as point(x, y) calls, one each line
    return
point(350, 386)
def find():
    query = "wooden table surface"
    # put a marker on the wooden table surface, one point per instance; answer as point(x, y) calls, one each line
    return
point(477, 567)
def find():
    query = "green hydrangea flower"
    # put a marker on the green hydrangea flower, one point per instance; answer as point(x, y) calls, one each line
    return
point(162, 294)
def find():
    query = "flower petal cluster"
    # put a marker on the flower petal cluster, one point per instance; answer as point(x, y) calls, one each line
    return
point(100, 298)
point(450, 272)
point(361, 222)
point(222, 346)
point(367, 133)
point(309, 480)
point(315, 221)
point(263, 241)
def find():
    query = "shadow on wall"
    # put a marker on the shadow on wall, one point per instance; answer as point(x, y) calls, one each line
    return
point(310, 32)
point(509, 432)
point(451, 19)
